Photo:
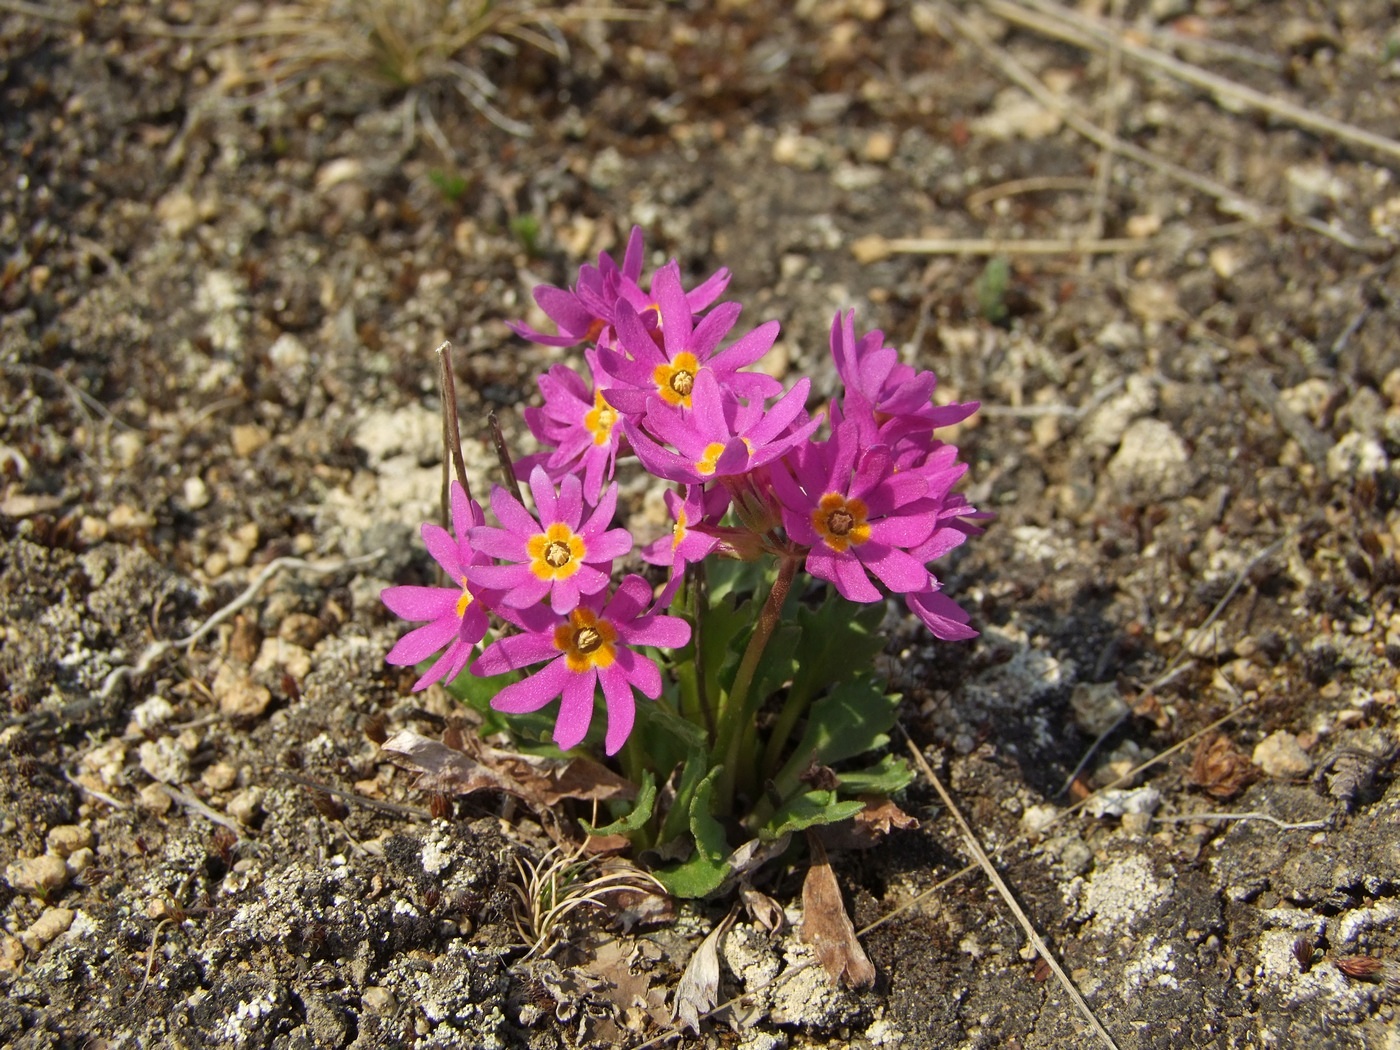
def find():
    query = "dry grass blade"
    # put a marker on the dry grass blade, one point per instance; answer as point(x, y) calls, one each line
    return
point(1023, 78)
point(874, 247)
point(559, 884)
point(986, 864)
point(1054, 20)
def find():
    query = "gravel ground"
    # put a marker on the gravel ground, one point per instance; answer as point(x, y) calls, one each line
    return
point(226, 263)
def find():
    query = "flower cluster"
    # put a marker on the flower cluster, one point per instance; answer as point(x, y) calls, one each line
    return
point(860, 496)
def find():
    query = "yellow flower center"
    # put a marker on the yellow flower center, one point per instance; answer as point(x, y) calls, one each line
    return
point(464, 601)
point(706, 463)
point(556, 553)
point(841, 522)
point(675, 379)
point(678, 533)
point(601, 419)
point(586, 641)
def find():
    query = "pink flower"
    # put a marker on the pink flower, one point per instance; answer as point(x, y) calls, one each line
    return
point(587, 313)
point(588, 646)
point(560, 554)
point(720, 437)
point(581, 424)
point(844, 502)
point(887, 398)
point(660, 365)
point(685, 544)
point(457, 614)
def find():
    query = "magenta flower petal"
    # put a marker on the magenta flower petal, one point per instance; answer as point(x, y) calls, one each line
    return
point(575, 709)
point(421, 642)
point(941, 615)
point(622, 706)
point(531, 694)
point(410, 602)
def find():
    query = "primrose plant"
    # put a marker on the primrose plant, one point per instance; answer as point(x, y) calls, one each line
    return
point(762, 714)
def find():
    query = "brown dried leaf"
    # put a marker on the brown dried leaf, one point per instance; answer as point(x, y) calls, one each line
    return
point(868, 827)
point(540, 782)
point(1221, 768)
point(881, 815)
point(698, 991)
point(827, 927)
point(762, 909)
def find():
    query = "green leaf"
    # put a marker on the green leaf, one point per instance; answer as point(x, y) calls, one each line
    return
point(840, 639)
point(808, 810)
point(677, 819)
point(633, 821)
point(721, 625)
point(707, 869)
point(852, 719)
point(729, 576)
point(887, 776)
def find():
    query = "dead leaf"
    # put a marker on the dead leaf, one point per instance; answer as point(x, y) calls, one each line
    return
point(1220, 768)
point(762, 909)
point(827, 927)
point(869, 826)
point(541, 782)
point(627, 979)
point(698, 991)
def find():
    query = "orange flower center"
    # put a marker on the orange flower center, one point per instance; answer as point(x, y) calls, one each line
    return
point(840, 522)
point(556, 553)
point(465, 600)
point(675, 379)
point(586, 641)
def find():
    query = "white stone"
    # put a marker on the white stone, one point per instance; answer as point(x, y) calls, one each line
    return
point(1280, 755)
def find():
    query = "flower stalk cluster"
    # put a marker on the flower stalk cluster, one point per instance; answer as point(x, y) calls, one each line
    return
point(859, 496)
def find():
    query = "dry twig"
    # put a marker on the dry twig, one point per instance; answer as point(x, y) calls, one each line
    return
point(986, 864)
point(1054, 20)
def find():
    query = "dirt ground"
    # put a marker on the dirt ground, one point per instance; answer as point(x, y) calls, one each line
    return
point(225, 268)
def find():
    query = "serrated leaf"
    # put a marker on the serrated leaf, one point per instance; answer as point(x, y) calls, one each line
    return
point(840, 640)
point(636, 819)
point(809, 810)
point(886, 777)
point(852, 719)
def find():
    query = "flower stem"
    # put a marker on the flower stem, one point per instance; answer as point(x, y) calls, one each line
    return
point(733, 708)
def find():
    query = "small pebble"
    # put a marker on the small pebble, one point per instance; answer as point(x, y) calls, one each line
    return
point(46, 927)
point(220, 776)
point(165, 760)
point(245, 806)
point(65, 839)
point(196, 493)
point(154, 799)
point(80, 860)
point(248, 438)
point(38, 876)
point(238, 695)
point(377, 999)
point(1280, 755)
